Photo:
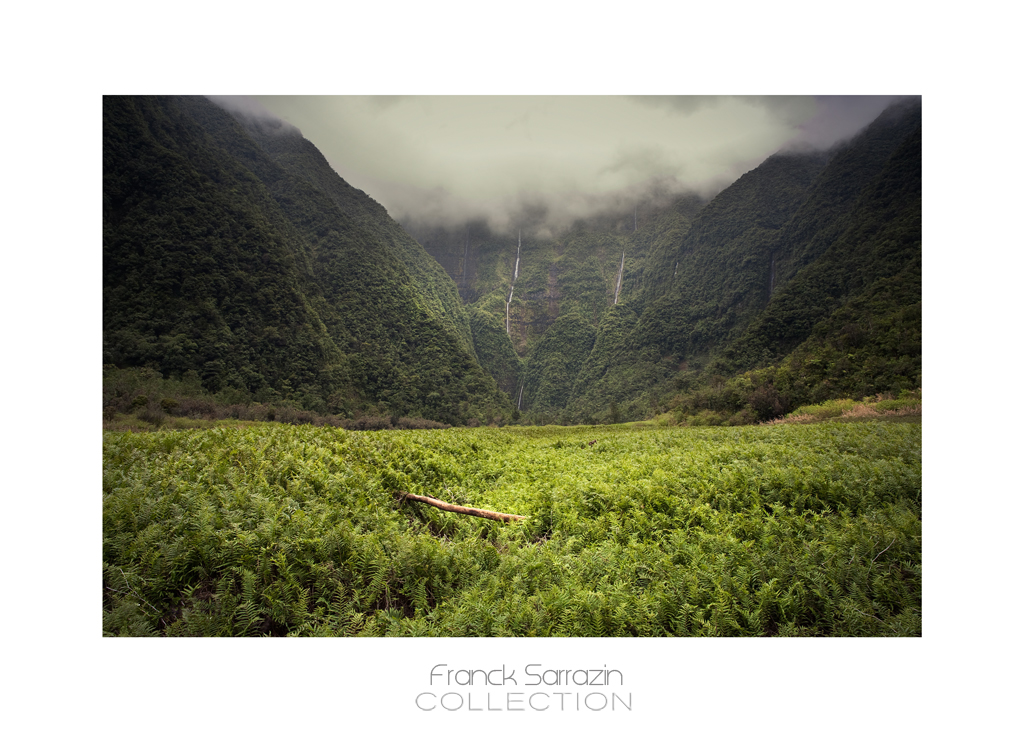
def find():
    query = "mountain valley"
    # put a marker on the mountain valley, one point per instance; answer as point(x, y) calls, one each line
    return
point(237, 261)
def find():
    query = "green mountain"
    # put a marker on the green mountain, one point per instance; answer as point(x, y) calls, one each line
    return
point(800, 281)
point(233, 253)
point(235, 258)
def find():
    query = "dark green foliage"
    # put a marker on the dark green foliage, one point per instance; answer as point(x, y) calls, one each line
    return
point(874, 261)
point(847, 325)
point(495, 352)
point(808, 266)
point(572, 277)
point(234, 254)
point(130, 396)
point(231, 250)
point(841, 313)
point(661, 235)
point(191, 270)
point(721, 267)
point(826, 272)
point(852, 168)
point(612, 375)
point(554, 365)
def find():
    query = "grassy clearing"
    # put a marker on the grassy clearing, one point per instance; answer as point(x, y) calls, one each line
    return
point(634, 530)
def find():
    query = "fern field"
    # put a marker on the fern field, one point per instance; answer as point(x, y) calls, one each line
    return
point(790, 530)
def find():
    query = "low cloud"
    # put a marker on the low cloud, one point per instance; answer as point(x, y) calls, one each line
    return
point(543, 214)
point(838, 119)
point(446, 160)
point(253, 110)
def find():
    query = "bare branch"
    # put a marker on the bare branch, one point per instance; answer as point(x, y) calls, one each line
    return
point(883, 551)
point(482, 513)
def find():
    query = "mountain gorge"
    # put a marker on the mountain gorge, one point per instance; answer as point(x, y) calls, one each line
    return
point(235, 255)
point(805, 272)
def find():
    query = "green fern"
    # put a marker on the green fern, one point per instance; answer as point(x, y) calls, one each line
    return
point(284, 530)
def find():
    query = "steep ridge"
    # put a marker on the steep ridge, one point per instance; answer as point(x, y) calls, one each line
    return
point(852, 167)
point(850, 322)
point(710, 289)
point(300, 158)
point(719, 269)
point(233, 251)
point(701, 281)
point(235, 255)
point(758, 274)
point(577, 274)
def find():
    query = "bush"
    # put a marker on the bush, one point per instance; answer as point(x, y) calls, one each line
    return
point(830, 408)
point(743, 417)
point(419, 423)
point(152, 415)
point(168, 405)
point(368, 422)
point(706, 418)
point(767, 402)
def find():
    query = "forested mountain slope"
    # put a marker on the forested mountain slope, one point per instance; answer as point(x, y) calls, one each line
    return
point(232, 250)
point(618, 316)
point(234, 256)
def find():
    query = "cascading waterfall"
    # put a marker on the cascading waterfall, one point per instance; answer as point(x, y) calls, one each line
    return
point(515, 276)
point(675, 270)
point(520, 405)
point(618, 285)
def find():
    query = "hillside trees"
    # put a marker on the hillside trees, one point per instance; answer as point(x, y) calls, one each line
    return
point(233, 252)
point(798, 283)
point(787, 286)
point(551, 370)
point(275, 280)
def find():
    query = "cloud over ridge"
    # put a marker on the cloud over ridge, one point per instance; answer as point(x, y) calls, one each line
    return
point(446, 159)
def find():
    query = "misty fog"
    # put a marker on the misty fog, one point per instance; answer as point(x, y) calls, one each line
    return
point(547, 161)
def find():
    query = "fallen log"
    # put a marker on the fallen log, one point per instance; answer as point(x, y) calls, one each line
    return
point(482, 513)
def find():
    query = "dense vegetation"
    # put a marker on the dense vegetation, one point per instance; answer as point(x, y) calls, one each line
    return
point(565, 287)
point(232, 251)
point(234, 255)
point(801, 279)
point(245, 282)
point(781, 530)
point(140, 399)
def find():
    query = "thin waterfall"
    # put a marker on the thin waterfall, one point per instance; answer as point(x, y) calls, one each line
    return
point(771, 281)
point(618, 285)
point(520, 405)
point(515, 276)
point(675, 270)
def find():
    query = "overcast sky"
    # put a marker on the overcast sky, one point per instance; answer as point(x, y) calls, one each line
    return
point(447, 159)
